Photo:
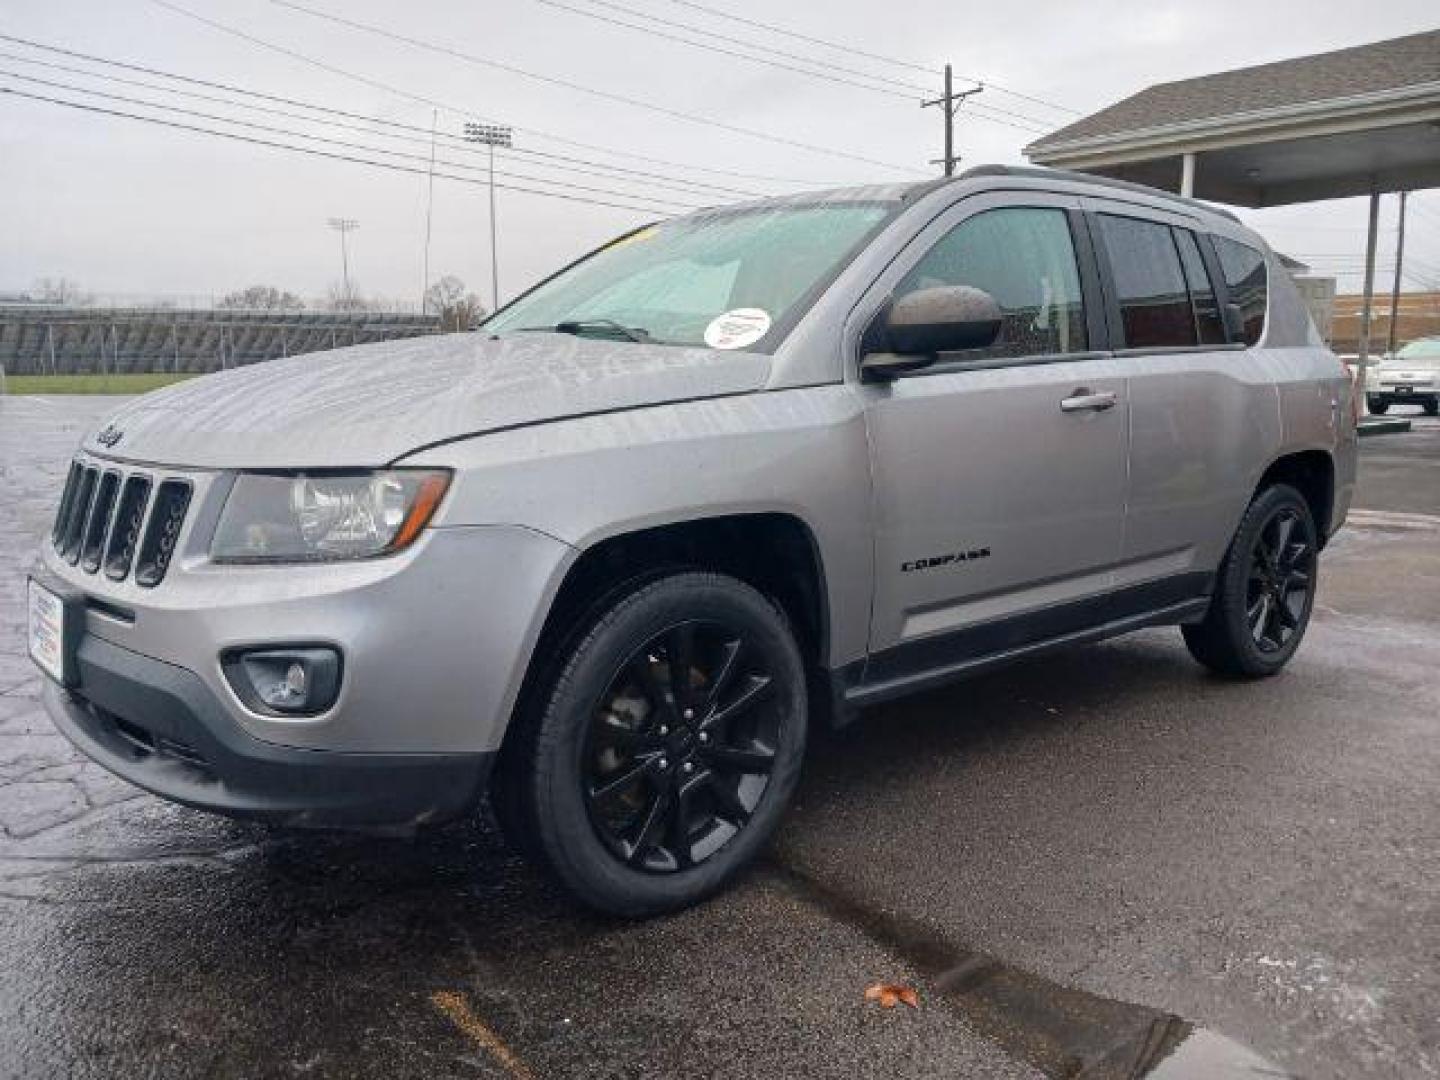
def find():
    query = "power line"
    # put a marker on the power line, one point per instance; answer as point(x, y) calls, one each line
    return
point(392, 167)
point(606, 95)
point(341, 142)
point(1032, 125)
point(927, 68)
point(689, 187)
point(731, 16)
point(378, 84)
point(910, 88)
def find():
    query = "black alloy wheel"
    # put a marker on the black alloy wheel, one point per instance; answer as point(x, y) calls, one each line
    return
point(681, 745)
point(1264, 589)
point(1282, 572)
point(659, 752)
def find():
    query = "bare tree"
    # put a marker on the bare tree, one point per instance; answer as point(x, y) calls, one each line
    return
point(61, 290)
point(262, 298)
point(458, 309)
point(340, 298)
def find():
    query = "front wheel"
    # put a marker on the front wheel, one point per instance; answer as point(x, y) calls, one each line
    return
point(1264, 591)
point(662, 755)
point(1377, 405)
point(1432, 407)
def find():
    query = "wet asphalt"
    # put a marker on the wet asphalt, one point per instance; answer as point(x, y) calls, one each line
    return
point(1100, 864)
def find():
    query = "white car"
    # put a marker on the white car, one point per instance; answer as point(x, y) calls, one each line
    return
point(1409, 377)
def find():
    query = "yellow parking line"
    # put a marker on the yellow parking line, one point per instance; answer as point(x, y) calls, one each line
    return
point(468, 1021)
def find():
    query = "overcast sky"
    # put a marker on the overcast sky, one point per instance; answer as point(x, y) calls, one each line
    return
point(127, 208)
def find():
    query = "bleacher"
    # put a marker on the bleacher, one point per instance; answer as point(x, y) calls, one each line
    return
point(45, 339)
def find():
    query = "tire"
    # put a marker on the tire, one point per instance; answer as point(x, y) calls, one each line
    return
point(1432, 407)
point(1377, 405)
point(641, 800)
point(1264, 591)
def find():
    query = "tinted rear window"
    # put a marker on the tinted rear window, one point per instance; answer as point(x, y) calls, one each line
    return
point(1149, 283)
point(1244, 270)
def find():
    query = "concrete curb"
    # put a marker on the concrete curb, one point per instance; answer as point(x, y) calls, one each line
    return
point(1373, 426)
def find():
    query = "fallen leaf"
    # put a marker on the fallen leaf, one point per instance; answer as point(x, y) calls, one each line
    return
point(889, 994)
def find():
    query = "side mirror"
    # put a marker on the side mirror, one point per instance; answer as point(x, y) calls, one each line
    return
point(913, 329)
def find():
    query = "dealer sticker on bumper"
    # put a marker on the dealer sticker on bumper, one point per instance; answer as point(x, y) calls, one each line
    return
point(47, 631)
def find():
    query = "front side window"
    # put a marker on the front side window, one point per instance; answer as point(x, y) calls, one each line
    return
point(725, 279)
point(1149, 283)
point(1244, 270)
point(1024, 257)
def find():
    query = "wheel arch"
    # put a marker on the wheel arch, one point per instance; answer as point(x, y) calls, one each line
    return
point(1312, 473)
point(775, 552)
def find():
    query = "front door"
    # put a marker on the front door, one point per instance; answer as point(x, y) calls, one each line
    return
point(999, 473)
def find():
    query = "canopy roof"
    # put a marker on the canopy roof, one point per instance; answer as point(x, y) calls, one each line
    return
point(1348, 122)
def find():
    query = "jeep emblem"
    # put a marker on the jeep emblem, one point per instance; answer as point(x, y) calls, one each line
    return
point(109, 435)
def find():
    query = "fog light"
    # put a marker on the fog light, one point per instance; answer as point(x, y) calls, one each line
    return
point(290, 681)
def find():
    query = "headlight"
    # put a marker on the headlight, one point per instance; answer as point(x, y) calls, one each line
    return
point(307, 517)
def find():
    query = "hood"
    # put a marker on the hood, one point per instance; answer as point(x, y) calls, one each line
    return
point(368, 405)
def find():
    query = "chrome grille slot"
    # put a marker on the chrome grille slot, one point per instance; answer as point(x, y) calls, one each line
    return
point(172, 498)
point(125, 533)
point(99, 524)
point(78, 516)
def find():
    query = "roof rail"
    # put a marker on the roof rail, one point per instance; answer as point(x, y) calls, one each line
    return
point(981, 171)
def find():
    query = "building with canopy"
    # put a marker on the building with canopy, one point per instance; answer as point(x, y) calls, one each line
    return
point(1357, 121)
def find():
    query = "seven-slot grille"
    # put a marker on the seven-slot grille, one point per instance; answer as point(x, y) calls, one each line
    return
point(120, 521)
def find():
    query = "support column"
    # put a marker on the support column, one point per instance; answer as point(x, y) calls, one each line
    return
point(1399, 271)
point(1363, 364)
point(1187, 175)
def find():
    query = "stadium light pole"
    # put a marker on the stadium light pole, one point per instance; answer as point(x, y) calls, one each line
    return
point(491, 135)
point(343, 226)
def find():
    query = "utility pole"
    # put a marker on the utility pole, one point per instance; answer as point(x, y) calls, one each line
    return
point(343, 226)
point(429, 209)
point(950, 103)
point(491, 135)
point(1399, 263)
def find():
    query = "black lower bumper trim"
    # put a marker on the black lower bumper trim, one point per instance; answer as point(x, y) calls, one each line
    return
point(161, 728)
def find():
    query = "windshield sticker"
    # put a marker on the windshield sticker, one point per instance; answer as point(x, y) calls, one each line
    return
point(634, 238)
point(738, 328)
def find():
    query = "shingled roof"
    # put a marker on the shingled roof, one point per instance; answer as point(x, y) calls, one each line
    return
point(1346, 73)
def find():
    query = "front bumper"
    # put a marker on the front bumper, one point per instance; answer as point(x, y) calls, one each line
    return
point(160, 727)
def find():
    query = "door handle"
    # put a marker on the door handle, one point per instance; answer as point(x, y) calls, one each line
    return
point(1082, 400)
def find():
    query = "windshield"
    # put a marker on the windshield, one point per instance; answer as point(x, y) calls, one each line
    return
point(725, 279)
point(1424, 349)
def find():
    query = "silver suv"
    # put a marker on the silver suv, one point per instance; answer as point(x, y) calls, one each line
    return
point(727, 476)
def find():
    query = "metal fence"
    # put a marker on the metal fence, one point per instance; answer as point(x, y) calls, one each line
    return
point(51, 340)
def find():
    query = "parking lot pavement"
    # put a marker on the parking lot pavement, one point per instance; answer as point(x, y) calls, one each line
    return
point(1398, 472)
point(1086, 865)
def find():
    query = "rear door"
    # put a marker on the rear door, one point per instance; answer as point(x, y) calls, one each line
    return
point(999, 473)
point(1202, 413)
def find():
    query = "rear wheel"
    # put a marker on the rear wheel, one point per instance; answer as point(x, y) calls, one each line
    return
point(1264, 591)
point(662, 755)
point(1377, 405)
point(1432, 407)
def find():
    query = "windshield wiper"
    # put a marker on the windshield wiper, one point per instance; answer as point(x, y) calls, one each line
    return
point(579, 327)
